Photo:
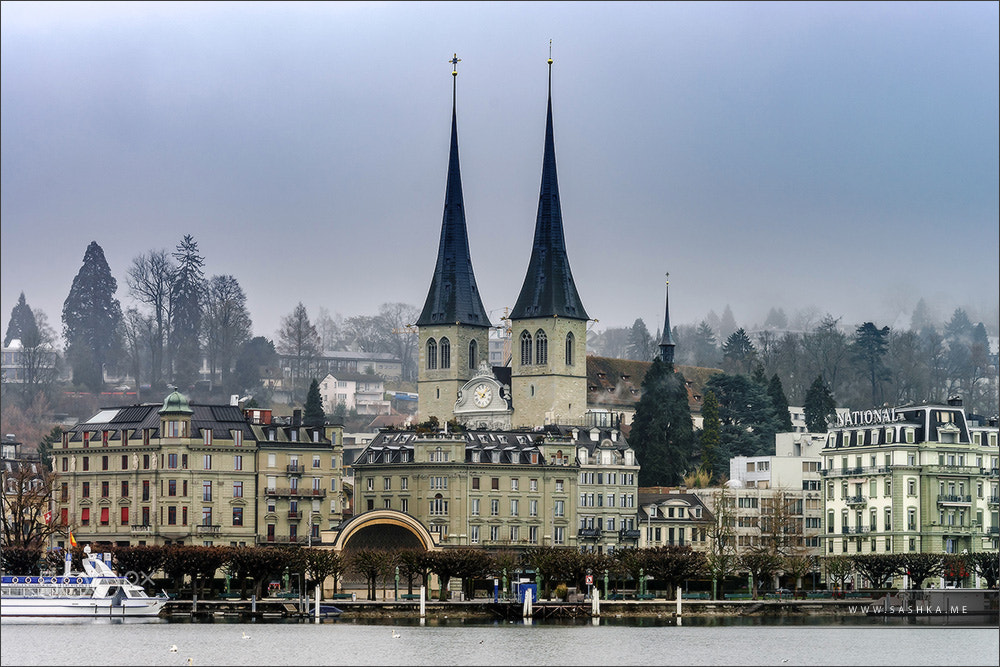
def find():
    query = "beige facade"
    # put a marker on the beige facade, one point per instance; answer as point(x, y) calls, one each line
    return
point(674, 519)
point(300, 491)
point(549, 370)
point(501, 489)
point(175, 473)
point(449, 356)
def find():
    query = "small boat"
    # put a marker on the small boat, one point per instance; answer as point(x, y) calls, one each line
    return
point(97, 592)
point(329, 611)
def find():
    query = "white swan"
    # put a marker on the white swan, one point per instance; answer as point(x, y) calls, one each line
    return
point(173, 648)
point(396, 635)
point(245, 635)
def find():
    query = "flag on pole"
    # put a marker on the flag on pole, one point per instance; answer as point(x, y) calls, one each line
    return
point(72, 540)
point(48, 517)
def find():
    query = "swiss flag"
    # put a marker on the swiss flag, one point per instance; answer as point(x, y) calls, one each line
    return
point(48, 517)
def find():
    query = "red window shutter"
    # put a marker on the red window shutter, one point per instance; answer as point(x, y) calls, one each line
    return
point(124, 516)
point(105, 516)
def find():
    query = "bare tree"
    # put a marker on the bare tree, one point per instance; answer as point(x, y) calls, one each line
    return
point(298, 339)
point(149, 282)
point(226, 324)
point(721, 559)
point(27, 504)
point(398, 318)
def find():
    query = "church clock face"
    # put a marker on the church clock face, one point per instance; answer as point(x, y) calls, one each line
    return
point(483, 395)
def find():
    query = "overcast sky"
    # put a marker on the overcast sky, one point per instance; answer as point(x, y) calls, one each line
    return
point(841, 157)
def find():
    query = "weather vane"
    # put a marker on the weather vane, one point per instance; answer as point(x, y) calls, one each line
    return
point(550, 51)
point(454, 64)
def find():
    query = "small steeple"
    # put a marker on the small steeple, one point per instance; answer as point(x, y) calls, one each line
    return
point(453, 297)
point(667, 339)
point(548, 288)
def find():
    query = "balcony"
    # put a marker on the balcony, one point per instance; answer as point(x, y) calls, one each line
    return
point(628, 534)
point(295, 469)
point(283, 539)
point(141, 530)
point(856, 471)
point(855, 530)
point(207, 530)
point(993, 530)
point(287, 491)
point(294, 515)
point(589, 533)
point(949, 499)
point(856, 500)
point(993, 500)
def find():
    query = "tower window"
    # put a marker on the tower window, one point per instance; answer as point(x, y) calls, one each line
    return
point(473, 354)
point(432, 354)
point(525, 348)
point(541, 348)
point(569, 348)
point(445, 353)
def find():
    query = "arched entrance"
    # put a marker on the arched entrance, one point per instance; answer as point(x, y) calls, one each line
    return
point(384, 529)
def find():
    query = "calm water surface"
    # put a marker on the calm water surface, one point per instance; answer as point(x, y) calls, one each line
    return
point(612, 642)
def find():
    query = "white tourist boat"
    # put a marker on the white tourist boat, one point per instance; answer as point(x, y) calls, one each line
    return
point(97, 592)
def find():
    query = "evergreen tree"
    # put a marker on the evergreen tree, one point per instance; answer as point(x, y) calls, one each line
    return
point(710, 436)
point(870, 347)
point(313, 415)
point(727, 324)
point(298, 340)
point(22, 322)
point(780, 403)
point(662, 434)
point(640, 343)
point(820, 408)
point(705, 346)
point(187, 293)
point(747, 416)
point(91, 318)
point(738, 352)
point(256, 359)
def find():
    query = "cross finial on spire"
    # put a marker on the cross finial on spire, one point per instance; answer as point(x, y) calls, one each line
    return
point(550, 51)
point(454, 64)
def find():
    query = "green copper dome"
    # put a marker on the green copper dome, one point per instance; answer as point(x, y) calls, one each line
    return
point(176, 403)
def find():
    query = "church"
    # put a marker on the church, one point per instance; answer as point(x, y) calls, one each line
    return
point(546, 379)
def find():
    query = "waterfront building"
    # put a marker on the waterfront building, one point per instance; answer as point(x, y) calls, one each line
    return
point(364, 393)
point(179, 473)
point(920, 478)
point(558, 486)
point(671, 517)
point(299, 489)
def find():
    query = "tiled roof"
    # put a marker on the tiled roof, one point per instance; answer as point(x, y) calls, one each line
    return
point(617, 383)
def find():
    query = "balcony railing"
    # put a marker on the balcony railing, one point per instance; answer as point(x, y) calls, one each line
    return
point(207, 530)
point(283, 539)
point(855, 530)
point(856, 471)
point(993, 530)
point(294, 514)
point(950, 498)
point(295, 469)
point(857, 500)
point(287, 491)
point(628, 534)
point(141, 530)
point(993, 500)
point(589, 533)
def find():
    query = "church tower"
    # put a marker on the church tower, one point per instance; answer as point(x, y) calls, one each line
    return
point(548, 321)
point(667, 339)
point(453, 325)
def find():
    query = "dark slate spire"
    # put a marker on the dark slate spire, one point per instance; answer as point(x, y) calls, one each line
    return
point(548, 288)
point(453, 297)
point(667, 340)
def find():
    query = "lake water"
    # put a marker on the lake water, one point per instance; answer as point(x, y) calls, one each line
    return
point(444, 642)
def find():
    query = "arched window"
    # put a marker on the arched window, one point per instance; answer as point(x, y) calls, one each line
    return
point(445, 353)
point(432, 354)
point(541, 348)
point(473, 353)
point(525, 348)
point(569, 348)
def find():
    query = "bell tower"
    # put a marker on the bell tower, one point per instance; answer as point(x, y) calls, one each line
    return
point(453, 326)
point(548, 321)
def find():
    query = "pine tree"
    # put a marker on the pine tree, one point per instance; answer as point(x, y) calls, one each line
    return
point(870, 347)
point(738, 352)
point(780, 403)
point(187, 293)
point(711, 435)
point(22, 322)
point(820, 407)
point(747, 415)
point(313, 414)
point(91, 317)
point(662, 433)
